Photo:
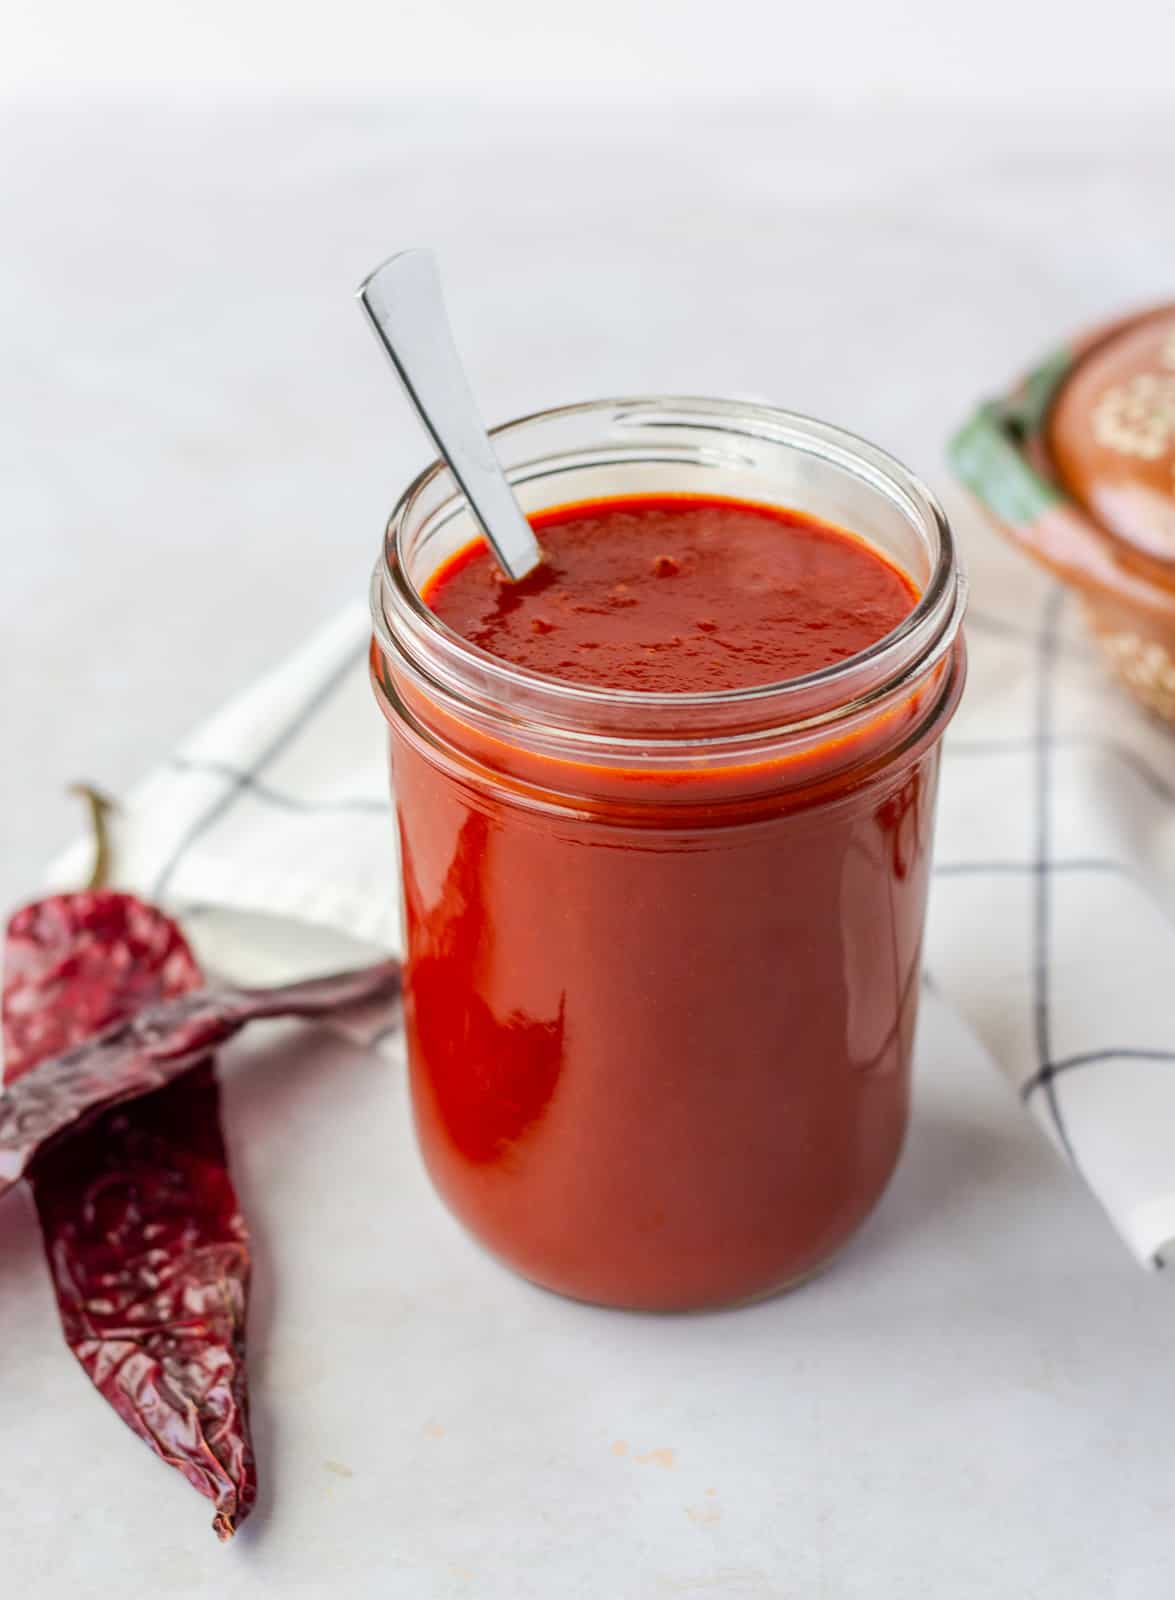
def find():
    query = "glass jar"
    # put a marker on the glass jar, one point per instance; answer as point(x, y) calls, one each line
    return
point(662, 950)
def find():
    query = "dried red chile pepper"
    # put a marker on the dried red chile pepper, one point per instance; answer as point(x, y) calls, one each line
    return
point(75, 963)
point(61, 1094)
point(145, 1240)
point(147, 1248)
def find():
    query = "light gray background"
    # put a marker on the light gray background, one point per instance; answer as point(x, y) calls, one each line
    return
point(198, 445)
point(657, 51)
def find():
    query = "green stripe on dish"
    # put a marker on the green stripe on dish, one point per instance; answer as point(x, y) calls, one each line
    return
point(1032, 400)
point(988, 451)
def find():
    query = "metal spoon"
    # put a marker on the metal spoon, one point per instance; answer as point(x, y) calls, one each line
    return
point(405, 305)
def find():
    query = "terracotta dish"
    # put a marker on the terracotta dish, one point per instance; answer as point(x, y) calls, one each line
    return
point(1077, 465)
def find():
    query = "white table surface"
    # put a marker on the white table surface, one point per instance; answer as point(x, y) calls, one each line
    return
point(198, 445)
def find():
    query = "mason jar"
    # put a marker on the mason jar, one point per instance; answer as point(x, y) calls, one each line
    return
point(662, 949)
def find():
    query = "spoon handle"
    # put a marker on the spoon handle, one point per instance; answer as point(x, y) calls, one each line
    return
point(405, 305)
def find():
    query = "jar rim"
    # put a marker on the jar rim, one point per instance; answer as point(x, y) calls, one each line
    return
point(923, 636)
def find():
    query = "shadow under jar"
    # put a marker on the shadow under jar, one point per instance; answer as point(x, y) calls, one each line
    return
point(662, 949)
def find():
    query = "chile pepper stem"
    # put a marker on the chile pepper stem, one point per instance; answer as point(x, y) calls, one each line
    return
point(100, 807)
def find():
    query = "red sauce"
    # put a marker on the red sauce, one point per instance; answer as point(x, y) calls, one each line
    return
point(677, 594)
point(659, 1037)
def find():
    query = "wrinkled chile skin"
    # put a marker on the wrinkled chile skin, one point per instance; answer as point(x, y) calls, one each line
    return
point(144, 1236)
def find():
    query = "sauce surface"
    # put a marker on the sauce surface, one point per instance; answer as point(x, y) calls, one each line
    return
point(676, 594)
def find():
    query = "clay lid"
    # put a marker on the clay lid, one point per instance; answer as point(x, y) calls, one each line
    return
point(1111, 434)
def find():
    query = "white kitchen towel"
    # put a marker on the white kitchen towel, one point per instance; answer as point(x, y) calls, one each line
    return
point(1050, 927)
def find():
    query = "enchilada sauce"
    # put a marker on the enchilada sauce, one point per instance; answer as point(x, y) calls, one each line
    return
point(660, 1041)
